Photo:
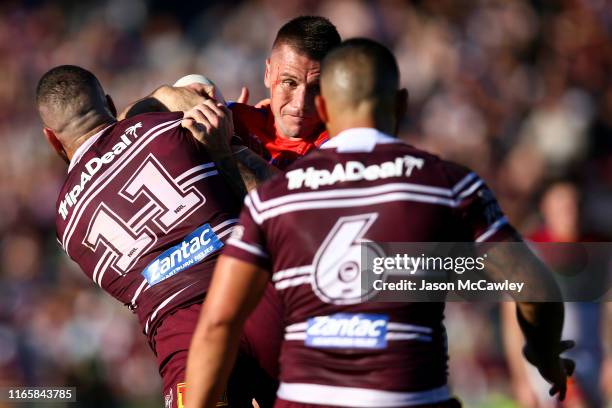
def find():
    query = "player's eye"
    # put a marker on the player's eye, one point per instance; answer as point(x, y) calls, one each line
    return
point(289, 83)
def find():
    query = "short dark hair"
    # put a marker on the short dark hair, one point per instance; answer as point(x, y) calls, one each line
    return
point(377, 55)
point(65, 84)
point(373, 69)
point(312, 35)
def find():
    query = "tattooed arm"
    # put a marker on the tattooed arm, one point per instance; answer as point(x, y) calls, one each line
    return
point(253, 168)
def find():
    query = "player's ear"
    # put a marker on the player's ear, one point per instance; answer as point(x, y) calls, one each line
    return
point(55, 144)
point(321, 108)
point(111, 105)
point(267, 74)
point(401, 107)
point(401, 104)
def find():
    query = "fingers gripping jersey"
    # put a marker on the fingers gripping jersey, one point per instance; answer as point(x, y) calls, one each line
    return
point(305, 226)
point(143, 212)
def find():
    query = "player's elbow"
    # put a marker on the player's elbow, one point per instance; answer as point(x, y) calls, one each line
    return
point(217, 322)
point(162, 92)
point(214, 326)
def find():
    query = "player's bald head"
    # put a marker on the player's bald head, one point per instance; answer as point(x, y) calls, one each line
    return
point(360, 71)
point(66, 94)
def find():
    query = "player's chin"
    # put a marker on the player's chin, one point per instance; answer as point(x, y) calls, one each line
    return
point(291, 129)
point(294, 126)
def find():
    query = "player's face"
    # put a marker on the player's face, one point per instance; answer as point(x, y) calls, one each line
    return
point(293, 79)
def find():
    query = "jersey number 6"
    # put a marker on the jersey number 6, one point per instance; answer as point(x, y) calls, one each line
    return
point(337, 263)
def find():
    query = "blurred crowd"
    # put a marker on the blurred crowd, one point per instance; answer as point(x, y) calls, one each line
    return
point(520, 91)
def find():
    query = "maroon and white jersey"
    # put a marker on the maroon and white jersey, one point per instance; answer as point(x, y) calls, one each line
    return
point(305, 224)
point(143, 212)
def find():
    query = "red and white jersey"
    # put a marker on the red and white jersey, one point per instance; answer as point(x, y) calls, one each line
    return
point(361, 185)
point(143, 211)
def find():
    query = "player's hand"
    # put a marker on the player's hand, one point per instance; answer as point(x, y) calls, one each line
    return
point(202, 90)
point(263, 103)
point(244, 95)
point(211, 124)
point(553, 368)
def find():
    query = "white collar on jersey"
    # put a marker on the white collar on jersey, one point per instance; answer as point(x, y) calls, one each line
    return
point(76, 157)
point(358, 140)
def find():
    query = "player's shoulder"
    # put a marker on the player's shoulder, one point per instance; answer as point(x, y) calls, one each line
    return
point(398, 146)
point(428, 168)
point(147, 120)
point(447, 170)
point(147, 126)
point(246, 109)
point(252, 125)
point(456, 173)
point(279, 185)
point(248, 115)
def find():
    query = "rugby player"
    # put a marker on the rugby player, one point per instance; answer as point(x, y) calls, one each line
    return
point(280, 131)
point(289, 127)
point(144, 209)
point(298, 230)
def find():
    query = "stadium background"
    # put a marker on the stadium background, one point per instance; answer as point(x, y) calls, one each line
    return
point(521, 91)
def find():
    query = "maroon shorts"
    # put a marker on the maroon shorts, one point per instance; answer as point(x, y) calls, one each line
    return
point(452, 403)
point(171, 344)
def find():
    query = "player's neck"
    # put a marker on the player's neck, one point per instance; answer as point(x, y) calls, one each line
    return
point(79, 137)
point(385, 126)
